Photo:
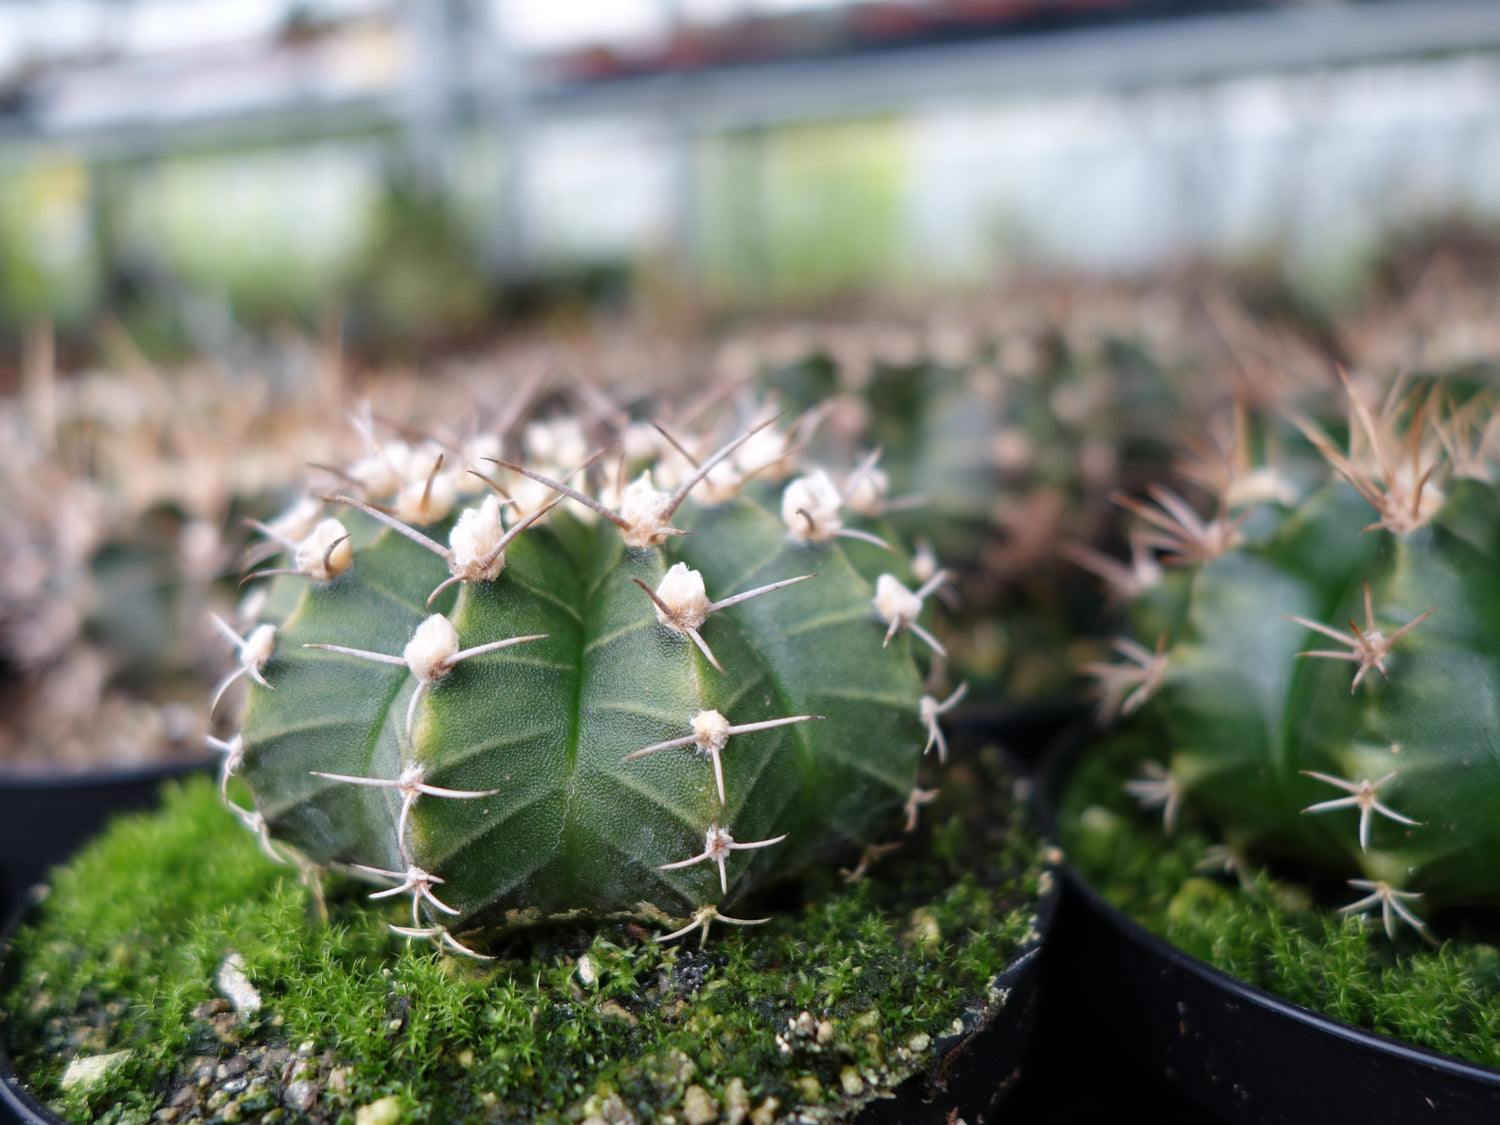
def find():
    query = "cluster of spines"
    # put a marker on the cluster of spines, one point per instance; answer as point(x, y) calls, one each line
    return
point(1395, 458)
point(419, 488)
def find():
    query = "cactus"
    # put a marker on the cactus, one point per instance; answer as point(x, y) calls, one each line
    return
point(576, 711)
point(1323, 671)
point(1000, 435)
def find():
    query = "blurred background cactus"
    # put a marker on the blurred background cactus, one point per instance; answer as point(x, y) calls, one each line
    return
point(123, 503)
point(1001, 428)
point(1316, 653)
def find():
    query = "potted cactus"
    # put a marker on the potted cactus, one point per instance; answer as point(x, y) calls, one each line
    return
point(569, 729)
point(1305, 715)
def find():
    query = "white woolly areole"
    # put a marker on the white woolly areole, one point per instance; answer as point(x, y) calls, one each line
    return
point(928, 710)
point(317, 557)
point(722, 483)
point(682, 592)
point(764, 451)
point(810, 508)
point(640, 442)
point(474, 539)
point(924, 563)
point(895, 602)
point(1264, 485)
point(477, 452)
point(375, 475)
point(528, 495)
point(717, 842)
point(644, 508)
point(405, 465)
point(560, 443)
point(671, 468)
point(413, 462)
point(297, 522)
point(867, 497)
point(711, 730)
point(257, 648)
point(433, 645)
point(250, 606)
point(417, 504)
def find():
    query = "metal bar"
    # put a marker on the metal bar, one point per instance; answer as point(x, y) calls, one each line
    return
point(1182, 49)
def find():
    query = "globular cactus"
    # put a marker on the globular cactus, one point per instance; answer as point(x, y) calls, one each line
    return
point(1001, 434)
point(1325, 667)
point(543, 707)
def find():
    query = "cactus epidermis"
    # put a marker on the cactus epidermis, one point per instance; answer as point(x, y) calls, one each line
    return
point(595, 713)
point(1328, 688)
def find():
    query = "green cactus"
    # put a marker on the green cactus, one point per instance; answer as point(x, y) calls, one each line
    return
point(1324, 674)
point(586, 713)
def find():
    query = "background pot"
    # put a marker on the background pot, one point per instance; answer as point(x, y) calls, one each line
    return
point(974, 1077)
point(44, 819)
point(1223, 1045)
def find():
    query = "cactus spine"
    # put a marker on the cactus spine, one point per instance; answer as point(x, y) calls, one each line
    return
point(1325, 674)
point(573, 710)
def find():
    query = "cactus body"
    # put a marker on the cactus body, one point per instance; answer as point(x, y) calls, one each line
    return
point(529, 783)
point(1328, 685)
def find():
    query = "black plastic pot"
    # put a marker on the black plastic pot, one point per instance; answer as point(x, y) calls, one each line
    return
point(44, 819)
point(17, 1107)
point(1236, 1051)
point(975, 1074)
point(973, 1077)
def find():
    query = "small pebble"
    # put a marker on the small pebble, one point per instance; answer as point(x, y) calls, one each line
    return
point(699, 1107)
point(301, 1095)
point(226, 1027)
point(86, 1073)
point(736, 1102)
point(235, 985)
point(386, 1111)
point(614, 1010)
point(614, 1111)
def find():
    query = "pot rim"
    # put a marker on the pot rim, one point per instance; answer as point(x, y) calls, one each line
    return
point(15, 1099)
point(1057, 765)
point(108, 776)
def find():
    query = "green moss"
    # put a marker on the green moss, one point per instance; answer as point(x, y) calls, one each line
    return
point(124, 954)
point(1277, 931)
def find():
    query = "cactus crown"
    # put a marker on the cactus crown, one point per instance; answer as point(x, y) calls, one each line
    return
point(594, 699)
point(1324, 666)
